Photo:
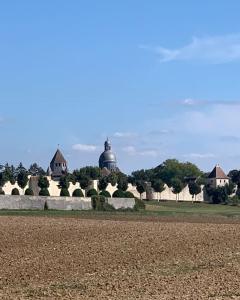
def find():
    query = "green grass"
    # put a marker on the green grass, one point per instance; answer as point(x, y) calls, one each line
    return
point(186, 208)
point(153, 209)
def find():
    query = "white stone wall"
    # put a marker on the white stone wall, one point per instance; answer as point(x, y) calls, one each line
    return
point(8, 187)
point(168, 194)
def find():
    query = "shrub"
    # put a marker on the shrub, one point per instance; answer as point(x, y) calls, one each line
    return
point(64, 192)
point(118, 194)
point(234, 201)
point(2, 191)
point(15, 192)
point(99, 203)
point(105, 194)
point(78, 193)
point(29, 192)
point(128, 195)
point(92, 192)
point(139, 204)
point(44, 192)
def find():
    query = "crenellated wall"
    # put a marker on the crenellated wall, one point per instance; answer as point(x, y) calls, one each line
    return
point(167, 194)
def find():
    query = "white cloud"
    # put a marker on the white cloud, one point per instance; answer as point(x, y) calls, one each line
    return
point(131, 150)
point(84, 147)
point(196, 102)
point(200, 155)
point(124, 134)
point(212, 49)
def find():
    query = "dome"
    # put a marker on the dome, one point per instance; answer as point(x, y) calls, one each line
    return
point(108, 156)
point(108, 159)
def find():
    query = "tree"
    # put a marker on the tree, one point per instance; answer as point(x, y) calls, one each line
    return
point(235, 176)
point(230, 188)
point(219, 195)
point(194, 189)
point(64, 192)
point(29, 192)
point(128, 194)
point(105, 194)
point(22, 179)
point(20, 169)
point(78, 193)
point(177, 186)
point(122, 183)
point(36, 170)
point(118, 194)
point(64, 182)
point(102, 184)
point(3, 179)
point(43, 182)
point(91, 193)
point(15, 192)
point(112, 178)
point(44, 192)
point(84, 182)
point(158, 186)
point(140, 188)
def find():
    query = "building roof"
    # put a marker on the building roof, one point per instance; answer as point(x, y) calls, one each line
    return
point(58, 158)
point(218, 173)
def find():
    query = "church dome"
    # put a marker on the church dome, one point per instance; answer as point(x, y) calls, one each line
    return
point(107, 158)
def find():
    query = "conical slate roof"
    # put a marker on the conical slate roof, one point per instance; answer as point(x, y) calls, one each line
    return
point(218, 173)
point(58, 158)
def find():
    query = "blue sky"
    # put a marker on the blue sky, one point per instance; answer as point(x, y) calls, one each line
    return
point(160, 78)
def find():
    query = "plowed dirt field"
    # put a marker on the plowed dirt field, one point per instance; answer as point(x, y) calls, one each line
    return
point(73, 258)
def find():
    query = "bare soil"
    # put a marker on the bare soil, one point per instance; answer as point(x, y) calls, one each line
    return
point(74, 258)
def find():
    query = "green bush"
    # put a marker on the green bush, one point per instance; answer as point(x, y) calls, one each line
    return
point(44, 192)
point(234, 201)
point(2, 191)
point(15, 192)
point(105, 194)
point(92, 192)
point(118, 194)
point(128, 195)
point(64, 192)
point(139, 204)
point(99, 203)
point(78, 193)
point(29, 192)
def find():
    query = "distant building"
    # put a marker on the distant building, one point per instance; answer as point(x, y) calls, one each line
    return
point(58, 166)
point(217, 177)
point(107, 159)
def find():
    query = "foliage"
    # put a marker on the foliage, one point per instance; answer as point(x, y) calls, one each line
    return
point(105, 194)
point(230, 188)
point(78, 193)
point(29, 192)
point(112, 178)
point(103, 183)
point(3, 179)
point(118, 194)
point(90, 172)
point(177, 187)
point(92, 192)
point(234, 201)
point(43, 182)
point(194, 188)
point(219, 195)
point(22, 179)
point(128, 194)
point(36, 170)
point(44, 192)
point(64, 182)
point(15, 192)
point(139, 204)
point(235, 176)
point(84, 182)
point(64, 192)
point(2, 191)
point(122, 182)
point(99, 203)
point(140, 188)
point(168, 171)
